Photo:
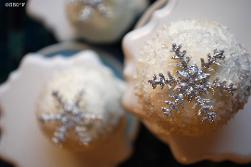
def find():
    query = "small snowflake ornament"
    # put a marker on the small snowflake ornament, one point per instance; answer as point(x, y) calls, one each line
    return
point(191, 83)
point(70, 117)
point(90, 6)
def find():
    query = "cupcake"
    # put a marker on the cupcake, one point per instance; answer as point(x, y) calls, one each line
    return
point(190, 78)
point(72, 113)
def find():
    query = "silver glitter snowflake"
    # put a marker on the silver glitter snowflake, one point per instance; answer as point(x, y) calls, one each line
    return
point(192, 83)
point(71, 117)
point(90, 6)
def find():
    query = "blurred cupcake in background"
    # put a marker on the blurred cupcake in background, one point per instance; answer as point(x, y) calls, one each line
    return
point(97, 21)
point(72, 114)
point(103, 20)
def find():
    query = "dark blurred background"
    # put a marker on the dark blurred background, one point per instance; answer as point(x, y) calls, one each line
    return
point(19, 35)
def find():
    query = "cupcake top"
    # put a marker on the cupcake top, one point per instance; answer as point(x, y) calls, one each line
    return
point(199, 76)
point(80, 105)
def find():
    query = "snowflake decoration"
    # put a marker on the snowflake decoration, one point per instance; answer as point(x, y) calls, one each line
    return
point(91, 6)
point(192, 83)
point(71, 117)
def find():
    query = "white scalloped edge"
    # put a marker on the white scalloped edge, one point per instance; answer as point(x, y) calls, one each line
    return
point(40, 60)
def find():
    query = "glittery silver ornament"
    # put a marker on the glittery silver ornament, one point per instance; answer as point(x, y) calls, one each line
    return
point(192, 83)
point(91, 6)
point(70, 117)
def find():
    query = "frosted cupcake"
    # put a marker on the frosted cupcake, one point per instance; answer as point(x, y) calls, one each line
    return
point(80, 110)
point(190, 78)
point(72, 113)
